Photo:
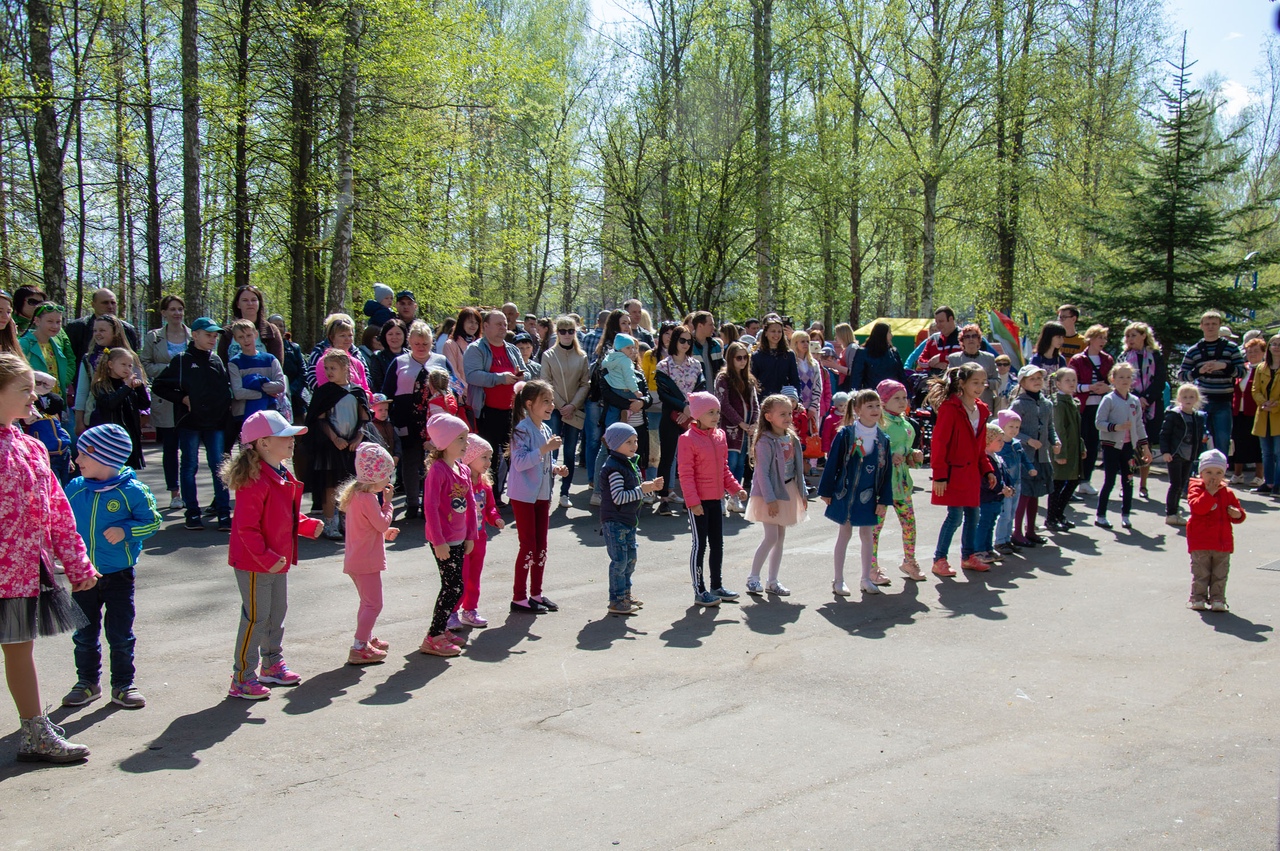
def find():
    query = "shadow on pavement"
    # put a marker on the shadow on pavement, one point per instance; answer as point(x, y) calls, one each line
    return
point(973, 597)
point(319, 691)
point(188, 735)
point(1230, 623)
point(600, 635)
point(419, 669)
point(769, 615)
point(874, 615)
point(697, 624)
point(498, 642)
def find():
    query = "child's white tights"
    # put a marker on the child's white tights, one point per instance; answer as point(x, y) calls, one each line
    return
point(770, 546)
point(866, 537)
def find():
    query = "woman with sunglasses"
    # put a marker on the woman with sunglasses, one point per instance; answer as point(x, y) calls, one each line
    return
point(678, 375)
point(564, 367)
point(735, 387)
point(25, 301)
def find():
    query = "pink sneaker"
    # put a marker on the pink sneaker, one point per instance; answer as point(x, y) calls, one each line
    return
point(974, 562)
point(471, 617)
point(878, 577)
point(367, 655)
point(279, 674)
point(456, 637)
point(911, 569)
point(439, 645)
point(248, 690)
point(941, 567)
point(378, 643)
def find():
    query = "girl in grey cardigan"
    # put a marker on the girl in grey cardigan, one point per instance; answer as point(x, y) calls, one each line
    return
point(777, 496)
point(1040, 439)
point(1123, 436)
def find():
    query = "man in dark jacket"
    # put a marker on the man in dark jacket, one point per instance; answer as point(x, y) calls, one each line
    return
point(198, 385)
point(80, 331)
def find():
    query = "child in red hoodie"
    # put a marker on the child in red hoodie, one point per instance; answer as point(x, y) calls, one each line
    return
point(1209, 537)
point(703, 457)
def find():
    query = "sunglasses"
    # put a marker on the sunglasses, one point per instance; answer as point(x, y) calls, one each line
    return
point(564, 331)
point(46, 307)
point(740, 357)
point(684, 340)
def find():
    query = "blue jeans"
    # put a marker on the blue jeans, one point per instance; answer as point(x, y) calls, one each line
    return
point(1004, 525)
point(189, 441)
point(737, 464)
point(1270, 460)
point(620, 541)
point(1218, 413)
point(569, 434)
point(115, 592)
point(984, 535)
point(955, 514)
point(591, 436)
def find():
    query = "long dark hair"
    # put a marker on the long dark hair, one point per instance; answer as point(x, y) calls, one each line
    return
point(528, 393)
point(460, 327)
point(762, 339)
point(948, 384)
point(1045, 342)
point(740, 381)
point(878, 341)
point(9, 333)
point(261, 320)
point(661, 349)
point(612, 327)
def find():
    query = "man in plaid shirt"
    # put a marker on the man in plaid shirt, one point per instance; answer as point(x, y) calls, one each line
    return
point(591, 341)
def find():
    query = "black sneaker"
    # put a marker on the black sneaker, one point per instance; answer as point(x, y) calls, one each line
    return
point(194, 523)
point(211, 511)
point(534, 608)
point(224, 524)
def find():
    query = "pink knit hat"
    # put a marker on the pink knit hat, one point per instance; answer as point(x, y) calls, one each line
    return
point(444, 429)
point(700, 403)
point(373, 464)
point(1007, 416)
point(890, 388)
point(476, 446)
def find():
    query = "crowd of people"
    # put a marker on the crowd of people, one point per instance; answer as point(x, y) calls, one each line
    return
point(481, 420)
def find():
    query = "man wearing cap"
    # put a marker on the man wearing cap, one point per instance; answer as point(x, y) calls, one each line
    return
point(526, 345)
point(198, 385)
point(406, 307)
point(80, 331)
point(971, 352)
point(493, 366)
point(1214, 364)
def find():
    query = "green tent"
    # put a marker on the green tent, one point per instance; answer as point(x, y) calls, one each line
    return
point(903, 335)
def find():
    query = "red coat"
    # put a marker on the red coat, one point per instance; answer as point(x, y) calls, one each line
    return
point(958, 456)
point(1209, 527)
point(267, 522)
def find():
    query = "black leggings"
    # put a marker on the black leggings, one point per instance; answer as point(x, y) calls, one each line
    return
point(707, 528)
point(1060, 496)
point(450, 589)
point(1115, 462)
point(1089, 435)
point(668, 435)
point(1179, 478)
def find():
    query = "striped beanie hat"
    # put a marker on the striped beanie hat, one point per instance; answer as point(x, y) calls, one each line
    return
point(108, 444)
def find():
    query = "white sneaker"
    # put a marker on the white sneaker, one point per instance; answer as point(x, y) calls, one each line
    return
point(647, 499)
point(1087, 489)
point(676, 499)
point(1257, 482)
point(176, 503)
point(840, 589)
point(778, 588)
point(564, 501)
point(595, 498)
point(1237, 479)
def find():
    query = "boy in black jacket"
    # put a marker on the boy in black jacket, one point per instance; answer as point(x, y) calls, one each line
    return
point(198, 385)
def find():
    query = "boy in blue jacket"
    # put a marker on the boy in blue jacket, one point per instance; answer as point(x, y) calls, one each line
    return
point(114, 513)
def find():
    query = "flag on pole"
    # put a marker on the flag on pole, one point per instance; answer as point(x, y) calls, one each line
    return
point(1007, 333)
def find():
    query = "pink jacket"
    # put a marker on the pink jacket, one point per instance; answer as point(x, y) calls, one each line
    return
point(486, 507)
point(34, 518)
point(703, 457)
point(367, 522)
point(448, 505)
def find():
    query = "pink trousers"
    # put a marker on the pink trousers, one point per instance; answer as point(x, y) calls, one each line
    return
point(369, 587)
point(471, 566)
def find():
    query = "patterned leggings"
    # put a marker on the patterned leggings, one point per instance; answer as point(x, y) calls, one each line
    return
point(906, 512)
point(450, 588)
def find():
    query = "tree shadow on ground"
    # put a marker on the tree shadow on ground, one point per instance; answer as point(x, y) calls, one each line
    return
point(873, 615)
point(419, 669)
point(974, 597)
point(188, 735)
point(769, 615)
point(601, 634)
point(1229, 623)
point(319, 691)
point(698, 623)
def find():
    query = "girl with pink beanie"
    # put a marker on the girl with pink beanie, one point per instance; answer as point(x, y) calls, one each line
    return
point(366, 501)
point(477, 459)
point(449, 514)
point(702, 457)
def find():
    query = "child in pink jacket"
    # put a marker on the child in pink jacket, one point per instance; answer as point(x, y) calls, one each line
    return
point(366, 501)
point(702, 457)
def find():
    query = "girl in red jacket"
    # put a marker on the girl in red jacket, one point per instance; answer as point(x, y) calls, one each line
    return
point(264, 543)
point(702, 457)
point(959, 460)
point(1209, 537)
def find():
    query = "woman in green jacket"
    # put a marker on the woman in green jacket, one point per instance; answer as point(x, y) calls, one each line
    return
point(46, 347)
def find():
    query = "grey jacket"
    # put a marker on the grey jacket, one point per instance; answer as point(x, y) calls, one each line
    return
point(769, 482)
point(1037, 424)
point(1114, 411)
point(476, 361)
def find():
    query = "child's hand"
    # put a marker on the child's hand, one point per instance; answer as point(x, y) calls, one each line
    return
point(696, 509)
point(391, 534)
point(898, 459)
point(1146, 457)
point(389, 491)
point(278, 566)
point(991, 479)
point(1033, 443)
point(773, 509)
point(882, 510)
point(560, 470)
point(1166, 457)
point(317, 532)
point(114, 535)
point(1033, 473)
point(1008, 491)
point(917, 457)
point(468, 547)
point(650, 487)
point(441, 551)
point(742, 495)
point(86, 584)
point(1057, 449)
point(1234, 513)
point(552, 444)
point(1122, 427)
point(500, 524)
point(825, 499)
point(939, 488)
point(340, 443)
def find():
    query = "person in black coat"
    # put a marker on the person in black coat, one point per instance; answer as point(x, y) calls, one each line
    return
point(774, 364)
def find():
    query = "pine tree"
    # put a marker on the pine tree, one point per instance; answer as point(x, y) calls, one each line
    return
point(1174, 248)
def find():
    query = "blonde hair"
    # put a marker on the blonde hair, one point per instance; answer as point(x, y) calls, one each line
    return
point(242, 466)
point(1063, 372)
point(242, 325)
point(1148, 337)
point(803, 337)
point(844, 333)
point(348, 489)
point(335, 355)
point(438, 380)
point(12, 367)
point(102, 372)
point(1190, 390)
point(770, 402)
point(994, 432)
point(1095, 331)
point(335, 322)
point(418, 329)
point(1121, 368)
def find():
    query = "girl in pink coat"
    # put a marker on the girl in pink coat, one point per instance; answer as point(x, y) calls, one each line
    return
point(35, 521)
point(702, 456)
point(366, 500)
